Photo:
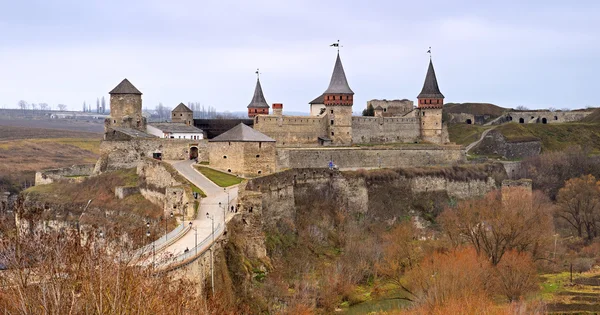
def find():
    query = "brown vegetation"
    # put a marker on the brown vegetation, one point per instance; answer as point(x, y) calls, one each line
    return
point(579, 205)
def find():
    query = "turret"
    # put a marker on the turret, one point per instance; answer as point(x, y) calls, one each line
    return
point(126, 107)
point(182, 114)
point(430, 104)
point(258, 105)
point(338, 100)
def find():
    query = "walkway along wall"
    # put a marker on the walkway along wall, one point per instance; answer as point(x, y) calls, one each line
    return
point(369, 157)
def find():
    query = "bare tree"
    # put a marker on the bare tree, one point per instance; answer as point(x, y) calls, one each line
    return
point(34, 106)
point(579, 205)
point(22, 105)
point(43, 106)
point(62, 107)
point(103, 102)
point(521, 107)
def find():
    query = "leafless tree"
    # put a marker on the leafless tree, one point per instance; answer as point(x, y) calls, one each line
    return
point(62, 107)
point(521, 107)
point(43, 106)
point(22, 105)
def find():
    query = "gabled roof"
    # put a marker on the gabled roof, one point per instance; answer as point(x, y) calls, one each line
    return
point(242, 133)
point(319, 100)
point(430, 87)
point(125, 87)
point(338, 83)
point(175, 128)
point(258, 100)
point(182, 108)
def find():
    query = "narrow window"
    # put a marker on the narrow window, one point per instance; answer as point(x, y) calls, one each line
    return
point(259, 145)
point(423, 113)
point(332, 133)
point(332, 111)
point(331, 121)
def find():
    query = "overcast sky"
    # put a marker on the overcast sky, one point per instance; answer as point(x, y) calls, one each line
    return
point(532, 53)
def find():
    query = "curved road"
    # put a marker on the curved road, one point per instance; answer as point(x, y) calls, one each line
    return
point(202, 224)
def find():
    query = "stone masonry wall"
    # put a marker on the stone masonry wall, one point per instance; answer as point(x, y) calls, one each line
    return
point(541, 117)
point(292, 130)
point(384, 129)
point(393, 107)
point(494, 143)
point(72, 173)
point(356, 157)
point(127, 154)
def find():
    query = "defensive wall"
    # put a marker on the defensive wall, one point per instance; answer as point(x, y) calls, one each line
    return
point(162, 185)
point(494, 143)
point(393, 107)
point(246, 158)
point(292, 130)
point(464, 118)
point(542, 117)
point(127, 154)
point(385, 129)
point(370, 157)
point(71, 173)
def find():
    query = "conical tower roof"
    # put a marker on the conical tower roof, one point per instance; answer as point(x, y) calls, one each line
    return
point(430, 87)
point(125, 87)
point(338, 83)
point(258, 100)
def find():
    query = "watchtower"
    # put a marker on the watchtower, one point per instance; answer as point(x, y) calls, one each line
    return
point(182, 114)
point(126, 107)
point(431, 103)
point(338, 100)
point(258, 105)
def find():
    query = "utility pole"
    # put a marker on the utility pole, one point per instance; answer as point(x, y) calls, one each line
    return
point(212, 256)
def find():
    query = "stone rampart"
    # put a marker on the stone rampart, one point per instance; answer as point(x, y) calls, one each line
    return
point(393, 107)
point(385, 129)
point(71, 173)
point(494, 143)
point(292, 130)
point(370, 157)
point(542, 117)
point(162, 185)
point(127, 154)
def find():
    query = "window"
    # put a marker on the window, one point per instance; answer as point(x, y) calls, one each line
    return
point(260, 145)
point(331, 121)
point(258, 155)
point(224, 156)
point(385, 110)
point(180, 115)
point(255, 110)
point(332, 111)
point(332, 133)
point(423, 113)
point(259, 172)
point(229, 170)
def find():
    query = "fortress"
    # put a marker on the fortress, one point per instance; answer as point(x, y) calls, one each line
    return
point(269, 142)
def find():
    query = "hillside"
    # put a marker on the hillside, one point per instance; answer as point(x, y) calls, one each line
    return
point(475, 108)
point(594, 117)
point(555, 137)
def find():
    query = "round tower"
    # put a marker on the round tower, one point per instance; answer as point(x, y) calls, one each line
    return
point(430, 105)
point(126, 107)
point(338, 100)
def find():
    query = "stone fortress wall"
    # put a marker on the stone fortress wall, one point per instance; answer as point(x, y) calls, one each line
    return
point(246, 158)
point(385, 129)
point(71, 173)
point(292, 130)
point(127, 154)
point(542, 117)
point(369, 157)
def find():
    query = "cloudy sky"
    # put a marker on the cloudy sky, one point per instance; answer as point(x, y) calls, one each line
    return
point(532, 53)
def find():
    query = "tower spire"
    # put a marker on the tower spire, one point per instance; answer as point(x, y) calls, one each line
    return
point(430, 86)
point(338, 83)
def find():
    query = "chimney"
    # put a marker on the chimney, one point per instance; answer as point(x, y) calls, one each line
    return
point(277, 109)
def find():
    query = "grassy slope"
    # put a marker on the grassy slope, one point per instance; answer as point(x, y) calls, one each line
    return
point(555, 137)
point(219, 178)
point(465, 134)
point(561, 296)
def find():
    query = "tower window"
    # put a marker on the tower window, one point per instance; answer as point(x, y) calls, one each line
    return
point(423, 113)
point(332, 111)
point(331, 121)
point(332, 133)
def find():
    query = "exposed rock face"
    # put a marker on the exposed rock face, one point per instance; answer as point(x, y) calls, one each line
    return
point(494, 143)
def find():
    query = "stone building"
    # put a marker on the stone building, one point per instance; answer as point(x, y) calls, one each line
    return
point(126, 107)
point(243, 150)
point(182, 114)
point(174, 131)
point(258, 105)
point(331, 121)
point(393, 107)
point(430, 104)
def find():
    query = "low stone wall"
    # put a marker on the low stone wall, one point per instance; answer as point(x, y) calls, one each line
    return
point(494, 143)
point(127, 154)
point(71, 173)
point(367, 157)
point(163, 186)
point(385, 129)
point(542, 117)
point(123, 192)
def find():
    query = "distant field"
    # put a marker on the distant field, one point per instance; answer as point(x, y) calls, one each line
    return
point(24, 150)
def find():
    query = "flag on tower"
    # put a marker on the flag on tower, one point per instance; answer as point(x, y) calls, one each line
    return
point(335, 45)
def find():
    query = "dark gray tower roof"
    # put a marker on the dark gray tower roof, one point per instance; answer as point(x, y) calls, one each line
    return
point(182, 108)
point(430, 87)
point(125, 87)
point(258, 100)
point(338, 83)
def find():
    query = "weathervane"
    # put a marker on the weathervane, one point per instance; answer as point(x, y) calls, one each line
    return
point(337, 45)
point(429, 52)
point(257, 74)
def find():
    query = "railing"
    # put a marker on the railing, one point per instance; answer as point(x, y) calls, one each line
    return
point(191, 254)
point(163, 241)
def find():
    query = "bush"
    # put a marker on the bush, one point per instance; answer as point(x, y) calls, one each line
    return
point(583, 264)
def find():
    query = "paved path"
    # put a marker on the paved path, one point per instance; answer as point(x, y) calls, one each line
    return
point(483, 134)
point(203, 225)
